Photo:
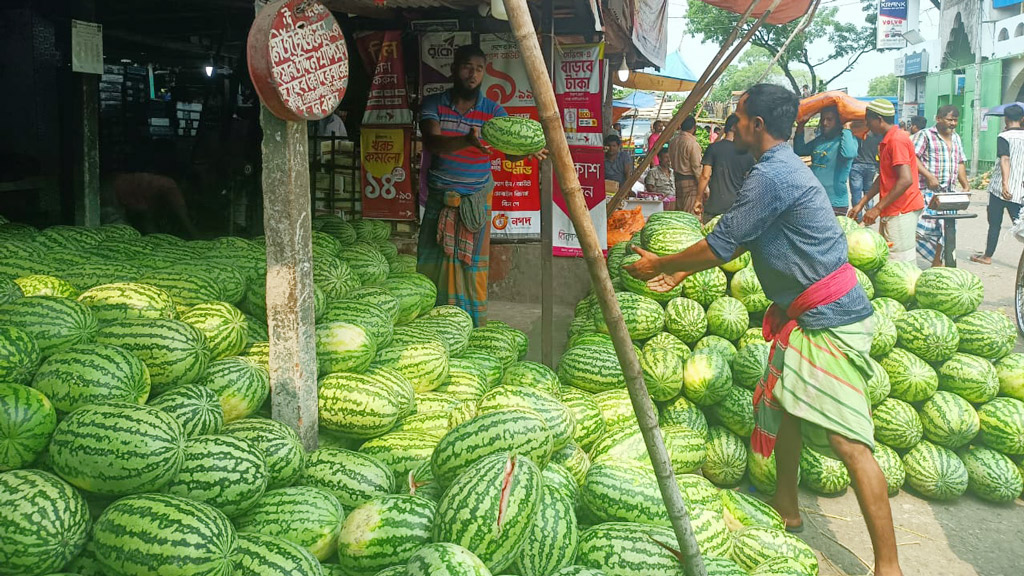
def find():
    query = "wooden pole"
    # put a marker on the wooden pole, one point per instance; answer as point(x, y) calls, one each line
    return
point(702, 87)
point(87, 169)
point(544, 94)
point(808, 18)
point(547, 276)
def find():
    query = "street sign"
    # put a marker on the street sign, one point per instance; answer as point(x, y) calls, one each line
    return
point(298, 59)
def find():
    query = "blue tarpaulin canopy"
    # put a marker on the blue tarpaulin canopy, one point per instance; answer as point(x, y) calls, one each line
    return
point(636, 100)
point(675, 76)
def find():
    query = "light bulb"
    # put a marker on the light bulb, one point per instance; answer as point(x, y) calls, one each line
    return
point(498, 10)
point(209, 71)
point(623, 71)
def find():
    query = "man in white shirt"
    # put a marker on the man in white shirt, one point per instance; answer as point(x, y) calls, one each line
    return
point(333, 125)
point(1006, 188)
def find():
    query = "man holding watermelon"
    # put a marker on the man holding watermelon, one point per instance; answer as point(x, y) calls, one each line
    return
point(820, 324)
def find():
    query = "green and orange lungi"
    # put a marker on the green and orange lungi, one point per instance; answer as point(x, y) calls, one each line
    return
point(818, 376)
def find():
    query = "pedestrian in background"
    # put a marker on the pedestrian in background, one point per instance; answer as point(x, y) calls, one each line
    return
point(917, 123)
point(864, 168)
point(940, 164)
point(684, 159)
point(659, 183)
point(1006, 188)
point(617, 163)
point(656, 130)
point(722, 174)
point(900, 202)
point(832, 155)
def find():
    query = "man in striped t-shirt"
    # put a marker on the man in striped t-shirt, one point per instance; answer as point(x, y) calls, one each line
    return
point(454, 242)
point(1006, 188)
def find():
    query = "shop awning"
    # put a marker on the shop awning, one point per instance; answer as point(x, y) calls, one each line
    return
point(636, 100)
point(786, 12)
point(675, 76)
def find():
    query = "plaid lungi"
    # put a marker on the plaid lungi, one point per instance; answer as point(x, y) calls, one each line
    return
point(686, 193)
point(929, 230)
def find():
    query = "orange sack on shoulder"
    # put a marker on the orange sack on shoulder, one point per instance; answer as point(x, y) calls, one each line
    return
point(850, 109)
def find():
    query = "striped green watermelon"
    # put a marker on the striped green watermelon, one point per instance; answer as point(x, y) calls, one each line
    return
point(705, 287)
point(465, 382)
point(706, 378)
point(45, 522)
point(717, 345)
point(195, 406)
point(43, 285)
point(728, 318)
point(434, 423)
point(686, 448)
point(551, 541)
point(280, 446)
point(420, 482)
point(241, 385)
point(496, 341)
point(952, 291)
point(380, 297)
point(324, 245)
point(750, 364)
point(972, 377)
point(746, 287)
point(92, 373)
point(897, 424)
point(424, 364)
point(558, 477)
point(1010, 371)
point(949, 420)
point(735, 411)
point(892, 467)
point(118, 232)
point(227, 473)
point(442, 559)
point(369, 265)
point(663, 373)
point(336, 226)
point(186, 284)
point(358, 405)
point(27, 420)
point(334, 277)
point(628, 549)
point(8, 290)
point(558, 418)
point(591, 368)
point(781, 566)
point(622, 491)
point(669, 238)
point(416, 295)
point(928, 333)
point(401, 452)
point(991, 476)
point(726, 457)
point(866, 249)
point(503, 490)
point(304, 515)
point(640, 287)
point(515, 430)
point(54, 323)
point(435, 401)
point(451, 323)
point(718, 566)
point(756, 545)
point(889, 307)
point(384, 532)
point(255, 330)
point(89, 449)
point(532, 375)
point(513, 135)
point(865, 282)
point(762, 472)
point(233, 276)
point(682, 412)
point(573, 459)
point(1002, 425)
point(150, 533)
point(878, 386)
point(402, 264)
point(935, 472)
point(666, 340)
point(896, 281)
point(19, 355)
point(368, 316)
point(174, 352)
point(222, 324)
point(352, 477)
point(589, 338)
point(261, 555)
point(343, 347)
point(87, 276)
point(742, 510)
point(884, 337)
point(987, 333)
point(616, 409)
point(911, 379)
point(822, 474)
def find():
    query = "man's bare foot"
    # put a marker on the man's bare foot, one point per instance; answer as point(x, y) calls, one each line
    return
point(888, 571)
point(790, 516)
point(981, 259)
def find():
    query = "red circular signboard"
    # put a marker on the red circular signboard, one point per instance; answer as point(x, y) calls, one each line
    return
point(298, 60)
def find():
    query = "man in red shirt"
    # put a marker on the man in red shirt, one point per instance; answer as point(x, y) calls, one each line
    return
point(901, 203)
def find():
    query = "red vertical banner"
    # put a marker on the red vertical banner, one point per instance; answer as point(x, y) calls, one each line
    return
point(589, 163)
point(389, 97)
point(386, 181)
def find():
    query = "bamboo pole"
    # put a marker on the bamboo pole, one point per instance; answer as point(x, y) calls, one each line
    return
point(808, 18)
point(711, 74)
point(565, 171)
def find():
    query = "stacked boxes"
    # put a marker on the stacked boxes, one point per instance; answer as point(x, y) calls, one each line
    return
point(336, 178)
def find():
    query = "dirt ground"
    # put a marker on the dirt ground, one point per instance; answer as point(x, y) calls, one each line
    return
point(967, 537)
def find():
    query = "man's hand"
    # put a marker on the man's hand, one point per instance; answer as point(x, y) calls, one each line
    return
point(698, 208)
point(646, 267)
point(666, 282)
point(857, 209)
point(932, 182)
point(538, 156)
point(871, 216)
point(473, 140)
point(1006, 192)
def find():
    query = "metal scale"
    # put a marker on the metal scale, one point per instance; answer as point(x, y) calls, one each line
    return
point(949, 205)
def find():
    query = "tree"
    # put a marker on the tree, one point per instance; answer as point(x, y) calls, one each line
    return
point(887, 85)
point(751, 67)
point(848, 41)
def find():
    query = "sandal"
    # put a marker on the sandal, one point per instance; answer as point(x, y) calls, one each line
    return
point(980, 259)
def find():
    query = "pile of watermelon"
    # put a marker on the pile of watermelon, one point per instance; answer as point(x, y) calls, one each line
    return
point(946, 390)
point(135, 436)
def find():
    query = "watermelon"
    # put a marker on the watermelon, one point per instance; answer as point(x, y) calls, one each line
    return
point(735, 412)
point(45, 522)
point(92, 373)
point(451, 323)
point(591, 368)
point(222, 324)
point(8, 290)
point(640, 287)
point(972, 377)
point(369, 265)
point(368, 316)
point(728, 318)
point(929, 334)
point(718, 345)
point(241, 386)
point(43, 285)
point(234, 281)
point(558, 477)
point(531, 375)
point(334, 277)
point(952, 291)
point(280, 446)
point(416, 294)
point(556, 416)
point(1010, 371)
point(19, 355)
point(127, 300)
point(686, 320)
point(686, 448)
point(550, 543)
point(706, 378)
point(227, 473)
point(187, 284)
point(384, 532)
point(195, 406)
point(150, 533)
point(573, 459)
point(666, 340)
point(516, 430)
point(503, 490)
point(986, 333)
point(949, 420)
point(878, 386)
point(174, 352)
point(669, 238)
point(911, 379)
point(866, 249)
point(604, 499)
point(643, 316)
point(865, 283)
point(54, 323)
point(424, 364)
point(352, 477)
point(892, 467)
point(27, 420)
point(742, 510)
point(343, 347)
point(935, 472)
point(897, 424)
point(896, 281)
point(378, 296)
point(746, 287)
point(762, 472)
point(822, 474)
point(513, 135)
point(616, 409)
point(442, 559)
point(663, 373)
point(750, 364)
point(682, 412)
point(1002, 425)
point(991, 476)
point(401, 452)
point(755, 545)
point(465, 382)
point(780, 566)
point(705, 287)
point(628, 549)
point(262, 555)
point(359, 405)
point(89, 449)
point(884, 337)
point(304, 515)
point(726, 457)
point(736, 264)
point(889, 307)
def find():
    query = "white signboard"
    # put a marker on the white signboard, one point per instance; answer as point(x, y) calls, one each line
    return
point(86, 47)
point(892, 24)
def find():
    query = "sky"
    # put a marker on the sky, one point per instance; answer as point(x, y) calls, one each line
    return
point(697, 54)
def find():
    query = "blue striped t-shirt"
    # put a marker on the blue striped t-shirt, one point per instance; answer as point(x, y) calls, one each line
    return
point(468, 170)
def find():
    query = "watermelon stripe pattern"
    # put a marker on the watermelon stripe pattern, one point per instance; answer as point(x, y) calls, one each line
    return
point(27, 420)
point(443, 559)
point(935, 472)
point(54, 323)
point(195, 407)
point(628, 548)
point(352, 477)
point(127, 301)
point(241, 385)
point(91, 374)
point(224, 472)
point(45, 522)
point(280, 446)
point(303, 515)
point(174, 351)
point(384, 532)
point(260, 555)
